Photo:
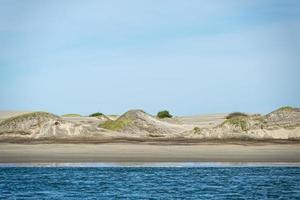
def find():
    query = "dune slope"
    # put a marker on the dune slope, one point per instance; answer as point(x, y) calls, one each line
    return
point(283, 123)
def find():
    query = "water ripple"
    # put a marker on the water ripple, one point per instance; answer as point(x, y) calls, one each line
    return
point(150, 182)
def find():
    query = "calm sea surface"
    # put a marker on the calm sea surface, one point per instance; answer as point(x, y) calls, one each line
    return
point(150, 182)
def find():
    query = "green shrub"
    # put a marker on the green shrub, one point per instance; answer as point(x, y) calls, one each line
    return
point(236, 114)
point(197, 130)
point(164, 114)
point(97, 114)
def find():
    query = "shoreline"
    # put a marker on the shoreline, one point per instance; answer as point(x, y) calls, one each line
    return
point(152, 141)
point(152, 164)
point(149, 153)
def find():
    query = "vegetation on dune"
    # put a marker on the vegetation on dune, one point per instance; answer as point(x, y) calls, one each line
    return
point(235, 115)
point(286, 108)
point(28, 116)
point(123, 121)
point(115, 125)
point(237, 119)
point(197, 130)
point(113, 115)
point(239, 122)
point(97, 114)
point(164, 114)
point(71, 115)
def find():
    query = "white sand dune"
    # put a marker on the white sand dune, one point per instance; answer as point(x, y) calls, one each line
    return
point(136, 125)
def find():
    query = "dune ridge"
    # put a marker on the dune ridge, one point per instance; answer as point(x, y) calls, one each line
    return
point(281, 124)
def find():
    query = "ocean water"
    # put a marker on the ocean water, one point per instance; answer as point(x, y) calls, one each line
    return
point(140, 182)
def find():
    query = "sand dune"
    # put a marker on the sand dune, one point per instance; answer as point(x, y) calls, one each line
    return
point(136, 125)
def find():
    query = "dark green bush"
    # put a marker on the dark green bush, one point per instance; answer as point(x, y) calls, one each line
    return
point(236, 114)
point(97, 114)
point(164, 114)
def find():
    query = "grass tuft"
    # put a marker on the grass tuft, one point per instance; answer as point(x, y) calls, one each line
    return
point(22, 117)
point(239, 122)
point(115, 125)
point(286, 108)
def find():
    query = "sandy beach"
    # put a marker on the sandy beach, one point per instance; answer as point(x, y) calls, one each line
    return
point(123, 152)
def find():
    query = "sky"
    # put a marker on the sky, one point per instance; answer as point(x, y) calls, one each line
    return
point(189, 57)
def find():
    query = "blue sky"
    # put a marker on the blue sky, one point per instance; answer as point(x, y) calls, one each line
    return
point(190, 57)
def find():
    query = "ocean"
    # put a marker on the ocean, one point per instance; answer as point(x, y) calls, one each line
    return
point(149, 182)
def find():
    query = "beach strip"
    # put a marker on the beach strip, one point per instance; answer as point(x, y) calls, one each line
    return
point(123, 152)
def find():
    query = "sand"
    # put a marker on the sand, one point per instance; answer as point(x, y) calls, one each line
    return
point(126, 152)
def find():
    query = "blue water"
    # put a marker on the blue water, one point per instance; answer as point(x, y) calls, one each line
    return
point(149, 183)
